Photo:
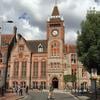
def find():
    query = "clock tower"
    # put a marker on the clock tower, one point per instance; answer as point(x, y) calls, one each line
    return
point(55, 32)
point(55, 37)
point(55, 25)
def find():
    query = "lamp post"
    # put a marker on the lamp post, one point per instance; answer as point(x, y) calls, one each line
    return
point(93, 80)
point(78, 75)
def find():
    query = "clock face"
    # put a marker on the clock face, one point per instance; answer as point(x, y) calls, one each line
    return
point(55, 32)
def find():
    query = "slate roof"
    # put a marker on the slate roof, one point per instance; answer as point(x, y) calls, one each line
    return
point(55, 11)
point(55, 16)
point(33, 45)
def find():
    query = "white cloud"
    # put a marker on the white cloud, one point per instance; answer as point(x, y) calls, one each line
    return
point(74, 11)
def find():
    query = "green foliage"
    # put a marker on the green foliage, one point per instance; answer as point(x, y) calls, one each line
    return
point(69, 78)
point(73, 78)
point(88, 42)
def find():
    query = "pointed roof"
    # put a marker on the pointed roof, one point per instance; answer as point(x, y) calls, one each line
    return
point(33, 45)
point(55, 11)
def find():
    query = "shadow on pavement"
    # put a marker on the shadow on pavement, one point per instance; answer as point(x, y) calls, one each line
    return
point(87, 95)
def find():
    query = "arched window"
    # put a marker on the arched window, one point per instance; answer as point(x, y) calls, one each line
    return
point(55, 48)
point(40, 48)
point(0, 58)
point(73, 58)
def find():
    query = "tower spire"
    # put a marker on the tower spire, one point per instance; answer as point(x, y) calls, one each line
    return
point(55, 9)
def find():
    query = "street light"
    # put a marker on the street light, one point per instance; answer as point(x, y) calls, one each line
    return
point(93, 80)
point(78, 75)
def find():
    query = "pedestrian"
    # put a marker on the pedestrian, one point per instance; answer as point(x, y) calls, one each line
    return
point(26, 89)
point(16, 89)
point(21, 91)
point(82, 89)
point(40, 87)
point(2, 91)
point(50, 95)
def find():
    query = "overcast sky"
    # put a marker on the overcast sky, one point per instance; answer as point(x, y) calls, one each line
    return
point(30, 16)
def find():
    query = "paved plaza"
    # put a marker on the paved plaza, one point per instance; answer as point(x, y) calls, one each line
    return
point(58, 95)
point(37, 95)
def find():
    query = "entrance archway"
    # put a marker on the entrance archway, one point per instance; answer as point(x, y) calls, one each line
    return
point(55, 82)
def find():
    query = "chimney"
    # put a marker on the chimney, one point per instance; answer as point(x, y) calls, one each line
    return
point(14, 29)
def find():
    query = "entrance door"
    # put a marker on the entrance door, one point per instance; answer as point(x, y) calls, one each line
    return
point(55, 82)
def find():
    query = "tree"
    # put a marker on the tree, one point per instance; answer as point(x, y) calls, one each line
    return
point(73, 78)
point(70, 78)
point(67, 78)
point(88, 42)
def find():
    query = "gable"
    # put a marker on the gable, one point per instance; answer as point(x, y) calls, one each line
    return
point(21, 46)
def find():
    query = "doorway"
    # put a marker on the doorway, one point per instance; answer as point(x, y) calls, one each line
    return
point(55, 82)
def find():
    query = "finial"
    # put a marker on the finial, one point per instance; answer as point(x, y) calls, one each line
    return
point(55, 2)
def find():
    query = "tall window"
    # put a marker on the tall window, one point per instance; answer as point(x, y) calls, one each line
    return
point(24, 64)
point(35, 69)
point(23, 84)
point(72, 72)
point(40, 48)
point(55, 49)
point(0, 58)
point(15, 83)
point(16, 69)
point(43, 84)
point(35, 85)
point(43, 69)
point(73, 58)
point(75, 72)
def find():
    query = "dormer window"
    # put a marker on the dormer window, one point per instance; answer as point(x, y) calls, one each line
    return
point(0, 58)
point(40, 48)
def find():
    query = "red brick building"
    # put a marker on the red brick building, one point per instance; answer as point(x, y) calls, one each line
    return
point(35, 62)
